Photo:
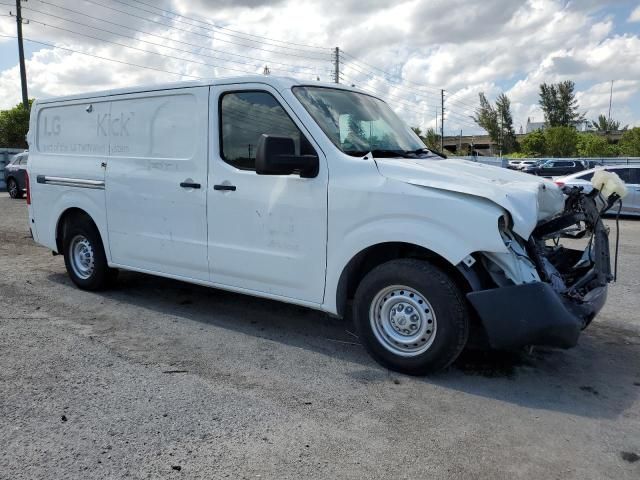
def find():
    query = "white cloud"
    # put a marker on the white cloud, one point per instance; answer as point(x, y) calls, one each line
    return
point(425, 46)
point(635, 15)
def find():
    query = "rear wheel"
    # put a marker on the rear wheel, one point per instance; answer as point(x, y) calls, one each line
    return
point(14, 189)
point(84, 256)
point(411, 317)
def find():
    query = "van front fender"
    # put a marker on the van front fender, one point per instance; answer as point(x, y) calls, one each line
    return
point(453, 241)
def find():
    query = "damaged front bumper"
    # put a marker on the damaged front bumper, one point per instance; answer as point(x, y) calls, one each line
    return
point(571, 287)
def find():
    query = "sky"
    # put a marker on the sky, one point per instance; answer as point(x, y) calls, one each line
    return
point(405, 52)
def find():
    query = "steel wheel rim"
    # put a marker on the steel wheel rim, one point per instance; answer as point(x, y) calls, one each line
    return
point(13, 188)
point(403, 321)
point(82, 257)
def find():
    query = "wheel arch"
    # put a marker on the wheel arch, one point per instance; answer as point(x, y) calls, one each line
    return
point(372, 256)
point(63, 220)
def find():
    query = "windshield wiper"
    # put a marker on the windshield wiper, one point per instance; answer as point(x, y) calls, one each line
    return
point(378, 153)
point(390, 153)
point(429, 152)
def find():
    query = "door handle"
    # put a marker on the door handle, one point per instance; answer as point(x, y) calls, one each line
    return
point(189, 185)
point(231, 188)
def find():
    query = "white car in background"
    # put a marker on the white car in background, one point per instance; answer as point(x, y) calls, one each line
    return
point(630, 174)
point(526, 163)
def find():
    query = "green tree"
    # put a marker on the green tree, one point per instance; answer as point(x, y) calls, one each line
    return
point(559, 104)
point(505, 122)
point(14, 125)
point(486, 117)
point(561, 141)
point(534, 144)
point(594, 145)
point(604, 124)
point(630, 143)
point(431, 139)
point(497, 121)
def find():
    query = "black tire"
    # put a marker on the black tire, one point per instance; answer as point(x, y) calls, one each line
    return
point(13, 188)
point(449, 315)
point(100, 276)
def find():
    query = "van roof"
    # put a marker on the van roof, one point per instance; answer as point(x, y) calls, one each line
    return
point(279, 83)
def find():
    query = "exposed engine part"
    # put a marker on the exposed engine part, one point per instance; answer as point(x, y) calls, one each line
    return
point(574, 272)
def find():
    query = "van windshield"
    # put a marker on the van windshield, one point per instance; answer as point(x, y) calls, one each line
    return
point(358, 124)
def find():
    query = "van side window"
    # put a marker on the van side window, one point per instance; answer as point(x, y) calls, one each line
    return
point(244, 117)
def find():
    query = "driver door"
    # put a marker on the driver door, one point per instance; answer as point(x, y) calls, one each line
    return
point(267, 233)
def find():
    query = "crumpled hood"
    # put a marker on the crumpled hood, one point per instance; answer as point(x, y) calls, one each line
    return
point(527, 198)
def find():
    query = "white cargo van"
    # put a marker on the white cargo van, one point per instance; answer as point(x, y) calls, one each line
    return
point(314, 194)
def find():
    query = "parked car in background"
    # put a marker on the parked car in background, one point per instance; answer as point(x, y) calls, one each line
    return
point(14, 175)
point(514, 164)
point(520, 164)
point(630, 174)
point(555, 168)
point(527, 163)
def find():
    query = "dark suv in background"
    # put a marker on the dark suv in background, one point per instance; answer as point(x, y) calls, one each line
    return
point(555, 168)
point(14, 175)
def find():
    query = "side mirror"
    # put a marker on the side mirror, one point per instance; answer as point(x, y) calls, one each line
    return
point(277, 156)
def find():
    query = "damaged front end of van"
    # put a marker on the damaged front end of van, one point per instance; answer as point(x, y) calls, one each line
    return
point(546, 289)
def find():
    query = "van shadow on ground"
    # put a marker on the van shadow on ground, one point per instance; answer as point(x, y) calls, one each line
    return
point(600, 378)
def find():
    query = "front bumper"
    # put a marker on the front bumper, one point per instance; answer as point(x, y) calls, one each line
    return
point(572, 287)
point(534, 314)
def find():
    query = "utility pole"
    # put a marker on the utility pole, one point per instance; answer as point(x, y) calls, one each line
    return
point(610, 99)
point(336, 66)
point(460, 142)
point(500, 137)
point(23, 70)
point(442, 121)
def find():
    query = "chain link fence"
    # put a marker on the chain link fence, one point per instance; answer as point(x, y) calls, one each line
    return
point(590, 162)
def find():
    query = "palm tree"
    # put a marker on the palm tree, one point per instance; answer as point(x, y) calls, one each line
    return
point(603, 124)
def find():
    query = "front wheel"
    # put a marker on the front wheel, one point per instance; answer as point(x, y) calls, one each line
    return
point(411, 316)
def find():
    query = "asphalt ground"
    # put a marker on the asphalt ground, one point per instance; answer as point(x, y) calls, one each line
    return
point(162, 379)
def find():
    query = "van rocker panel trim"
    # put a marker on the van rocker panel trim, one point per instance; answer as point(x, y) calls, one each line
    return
point(71, 182)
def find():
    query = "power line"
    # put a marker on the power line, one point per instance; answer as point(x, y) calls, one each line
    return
point(154, 43)
point(105, 58)
point(430, 99)
point(458, 118)
point(208, 28)
point(142, 49)
point(129, 14)
point(387, 74)
point(159, 36)
point(400, 87)
point(229, 29)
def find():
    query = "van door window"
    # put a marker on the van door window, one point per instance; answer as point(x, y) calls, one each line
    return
point(244, 117)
